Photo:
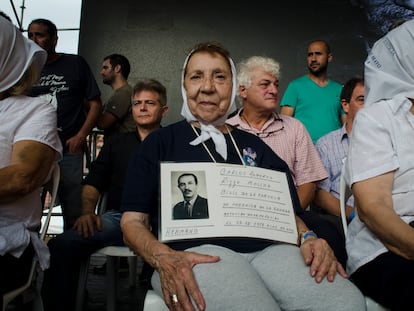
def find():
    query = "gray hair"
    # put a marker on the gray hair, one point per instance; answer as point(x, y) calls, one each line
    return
point(246, 67)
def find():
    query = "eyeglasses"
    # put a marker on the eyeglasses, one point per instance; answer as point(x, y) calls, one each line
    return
point(271, 133)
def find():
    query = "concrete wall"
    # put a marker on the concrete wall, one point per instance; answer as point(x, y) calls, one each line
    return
point(156, 35)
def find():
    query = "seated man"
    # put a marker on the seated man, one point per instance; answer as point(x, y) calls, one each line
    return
point(258, 81)
point(333, 149)
point(107, 173)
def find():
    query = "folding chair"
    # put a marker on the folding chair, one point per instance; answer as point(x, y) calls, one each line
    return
point(112, 253)
point(153, 302)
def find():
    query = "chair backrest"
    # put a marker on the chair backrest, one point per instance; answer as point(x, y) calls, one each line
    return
point(102, 203)
point(344, 193)
point(343, 190)
point(55, 177)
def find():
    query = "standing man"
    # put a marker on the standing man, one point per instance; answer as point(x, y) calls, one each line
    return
point(313, 99)
point(333, 149)
point(107, 173)
point(69, 85)
point(194, 206)
point(117, 116)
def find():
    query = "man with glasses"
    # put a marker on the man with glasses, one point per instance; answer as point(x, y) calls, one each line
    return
point(333, 149)
point(93, 231)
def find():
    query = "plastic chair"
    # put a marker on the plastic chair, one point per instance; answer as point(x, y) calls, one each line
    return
point(344, 193)
point(112, 253)
point(153, 302)
point(35, 269)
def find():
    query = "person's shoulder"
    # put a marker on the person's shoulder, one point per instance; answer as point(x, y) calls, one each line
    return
point(167, 133)
point(293, 124)
point(125, 89)
point(35, 103)
point(67, 56)
point(301, 79)
point(234, 118)
point(122, 94)
point(248, 140)
point(199, 197)
point(295, 86)
point(119, 138)
point(245, 135)
point(290, 120)
point(335, 83)
point(178, 205)
point(328, 137)
point(45, 105)
point(174, 128)
point(71, 59)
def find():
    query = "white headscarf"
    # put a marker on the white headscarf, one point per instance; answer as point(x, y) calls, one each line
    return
point(17, 53)
point(389, 68)
point(209, 130)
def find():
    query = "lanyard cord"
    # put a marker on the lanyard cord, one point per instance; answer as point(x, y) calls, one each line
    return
point(232, 140)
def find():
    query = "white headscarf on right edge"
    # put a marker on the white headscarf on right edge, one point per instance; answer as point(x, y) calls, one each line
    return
point(209, 130)
point(389, 68)
point(17, 53)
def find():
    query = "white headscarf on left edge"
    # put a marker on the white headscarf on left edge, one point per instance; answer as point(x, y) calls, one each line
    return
point(389, 68)
point(17, 53)
point(209, 130)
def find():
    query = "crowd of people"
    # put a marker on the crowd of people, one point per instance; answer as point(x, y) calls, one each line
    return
point(317, 131)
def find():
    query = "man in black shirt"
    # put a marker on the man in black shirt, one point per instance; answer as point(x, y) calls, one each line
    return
point(67, 82)
point(107, 173)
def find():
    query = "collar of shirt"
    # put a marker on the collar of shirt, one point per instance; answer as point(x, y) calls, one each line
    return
point(272, 125)
point(343, 133)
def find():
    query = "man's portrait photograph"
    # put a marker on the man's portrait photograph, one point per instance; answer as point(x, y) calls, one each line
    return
point(192, 201)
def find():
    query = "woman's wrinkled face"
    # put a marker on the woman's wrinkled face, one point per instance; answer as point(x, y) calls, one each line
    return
point(208, 83)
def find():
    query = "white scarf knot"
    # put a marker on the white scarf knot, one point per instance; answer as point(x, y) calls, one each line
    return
point(210, 131)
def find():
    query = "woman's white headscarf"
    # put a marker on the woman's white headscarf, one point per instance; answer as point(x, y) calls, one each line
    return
point(17, 53)
point(389, 68)
point(209, 130)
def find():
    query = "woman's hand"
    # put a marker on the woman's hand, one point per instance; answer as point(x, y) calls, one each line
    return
point(321, 259)
point(177, 279)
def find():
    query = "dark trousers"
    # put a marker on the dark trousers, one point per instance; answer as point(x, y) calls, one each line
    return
point(67, 251)
point(14, 271)
point(389, 280)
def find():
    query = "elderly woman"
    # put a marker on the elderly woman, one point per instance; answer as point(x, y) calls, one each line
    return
point(380, 163)
point(214, 274)
point(29, 144)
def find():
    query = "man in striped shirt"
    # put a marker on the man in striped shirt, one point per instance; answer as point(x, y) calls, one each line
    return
point(258, 82)
point(333, 149)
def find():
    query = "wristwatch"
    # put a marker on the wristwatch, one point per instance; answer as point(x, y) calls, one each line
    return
point(306, 234)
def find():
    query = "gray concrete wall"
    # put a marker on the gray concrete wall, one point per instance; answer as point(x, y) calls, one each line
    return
point(156, 35)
